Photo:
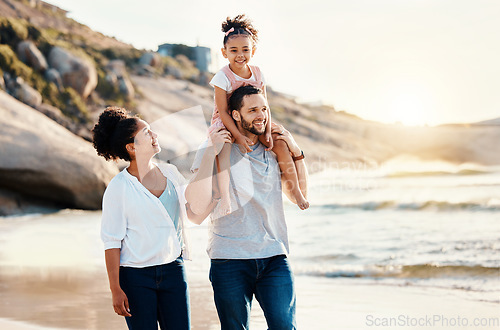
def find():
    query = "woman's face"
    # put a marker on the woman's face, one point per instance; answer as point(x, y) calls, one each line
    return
point(145, 141)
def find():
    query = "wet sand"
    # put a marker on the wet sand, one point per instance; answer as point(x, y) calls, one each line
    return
point(52, 276)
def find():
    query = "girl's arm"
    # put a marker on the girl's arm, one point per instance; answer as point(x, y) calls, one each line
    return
point(269, 137)
point(227, 119)
point(120, 300)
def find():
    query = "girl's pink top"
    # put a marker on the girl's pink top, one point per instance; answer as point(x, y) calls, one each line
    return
point(235, 84)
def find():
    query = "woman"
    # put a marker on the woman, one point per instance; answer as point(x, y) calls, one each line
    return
point(143, 217)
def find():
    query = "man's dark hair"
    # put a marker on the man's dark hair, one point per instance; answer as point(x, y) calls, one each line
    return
point(236, 100)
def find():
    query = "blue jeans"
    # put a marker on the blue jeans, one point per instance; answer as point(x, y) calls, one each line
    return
point(157, 294)
point(235, 281)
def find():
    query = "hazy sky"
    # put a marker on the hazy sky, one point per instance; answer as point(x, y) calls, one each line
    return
point(414, 61)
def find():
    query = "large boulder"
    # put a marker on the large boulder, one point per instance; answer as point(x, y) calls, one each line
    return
point(117, 67)
point(41, 159)
point(118, 76)
point(151, 59)
point(126, 88)
point(76, 72)
point(52, 75)
point(56, 115)
point(31, 55)
point(25, 93)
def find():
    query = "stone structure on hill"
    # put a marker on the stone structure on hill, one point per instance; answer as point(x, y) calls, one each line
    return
point(201, 56)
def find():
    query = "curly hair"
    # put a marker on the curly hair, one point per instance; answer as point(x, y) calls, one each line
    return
point(115, 129)
point(242, 26)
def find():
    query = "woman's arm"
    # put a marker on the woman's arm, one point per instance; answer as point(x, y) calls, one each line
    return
point(120, 300)
point(199, 218)
point(227, 119)
point(199, 191)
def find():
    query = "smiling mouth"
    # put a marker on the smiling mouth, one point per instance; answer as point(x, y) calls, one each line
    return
point(259, 123)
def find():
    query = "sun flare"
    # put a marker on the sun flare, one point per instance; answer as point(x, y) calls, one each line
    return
point(409, 110)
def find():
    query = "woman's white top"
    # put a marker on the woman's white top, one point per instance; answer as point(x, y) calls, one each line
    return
point(135, 221)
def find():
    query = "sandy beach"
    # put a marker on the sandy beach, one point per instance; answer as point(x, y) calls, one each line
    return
point(52, 276)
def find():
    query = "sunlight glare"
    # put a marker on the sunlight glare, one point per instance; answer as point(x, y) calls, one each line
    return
point(409, 109)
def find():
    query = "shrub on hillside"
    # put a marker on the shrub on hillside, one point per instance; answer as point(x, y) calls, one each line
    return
point(10, 63)
point(12, 30)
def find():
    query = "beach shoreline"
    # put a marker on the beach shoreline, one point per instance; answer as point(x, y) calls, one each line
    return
point(322, 303)
point(52, 276)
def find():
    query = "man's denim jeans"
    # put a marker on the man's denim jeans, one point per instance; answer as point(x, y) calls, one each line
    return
point(235, 281)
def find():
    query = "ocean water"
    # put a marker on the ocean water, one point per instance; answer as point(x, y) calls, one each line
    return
point(405, 222)
point(428, 225)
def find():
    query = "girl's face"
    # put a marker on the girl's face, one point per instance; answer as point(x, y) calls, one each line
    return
point(238, 50)
point(145, 141)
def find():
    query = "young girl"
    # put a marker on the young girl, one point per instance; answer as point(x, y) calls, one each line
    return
point(240, 39)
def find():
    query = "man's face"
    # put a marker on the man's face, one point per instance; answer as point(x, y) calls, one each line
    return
point(254, 114)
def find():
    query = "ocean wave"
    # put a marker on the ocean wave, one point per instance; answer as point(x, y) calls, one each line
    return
point(462, 172)
point(417, 206)
point(422, 271)
point(330, 257)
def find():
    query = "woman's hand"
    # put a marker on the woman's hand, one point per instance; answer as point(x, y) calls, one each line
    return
point(286, 136)
point(120, 303)
point(218, 137)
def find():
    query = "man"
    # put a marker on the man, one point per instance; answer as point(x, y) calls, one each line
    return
point(248, 248)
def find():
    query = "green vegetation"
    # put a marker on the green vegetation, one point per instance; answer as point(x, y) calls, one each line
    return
point(110, 92)
point(130, 56)
point(12, 30)
point(70, 103)
point(180, 67)
point(74, 107)
point(11, 64)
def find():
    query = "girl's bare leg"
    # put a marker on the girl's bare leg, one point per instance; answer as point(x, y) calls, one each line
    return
point(223, 179)
point(287, 167)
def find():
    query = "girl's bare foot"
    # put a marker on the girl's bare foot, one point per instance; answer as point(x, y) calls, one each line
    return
point(302, 203)
point(225, 206)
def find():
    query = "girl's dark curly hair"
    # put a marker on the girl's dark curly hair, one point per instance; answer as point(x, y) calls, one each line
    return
point(241, 25)
point(114, 130)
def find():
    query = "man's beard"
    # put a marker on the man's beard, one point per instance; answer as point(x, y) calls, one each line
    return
point(249, 127)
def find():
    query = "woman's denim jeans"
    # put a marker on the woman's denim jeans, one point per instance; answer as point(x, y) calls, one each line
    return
point(157, 295)
point(235, 281)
